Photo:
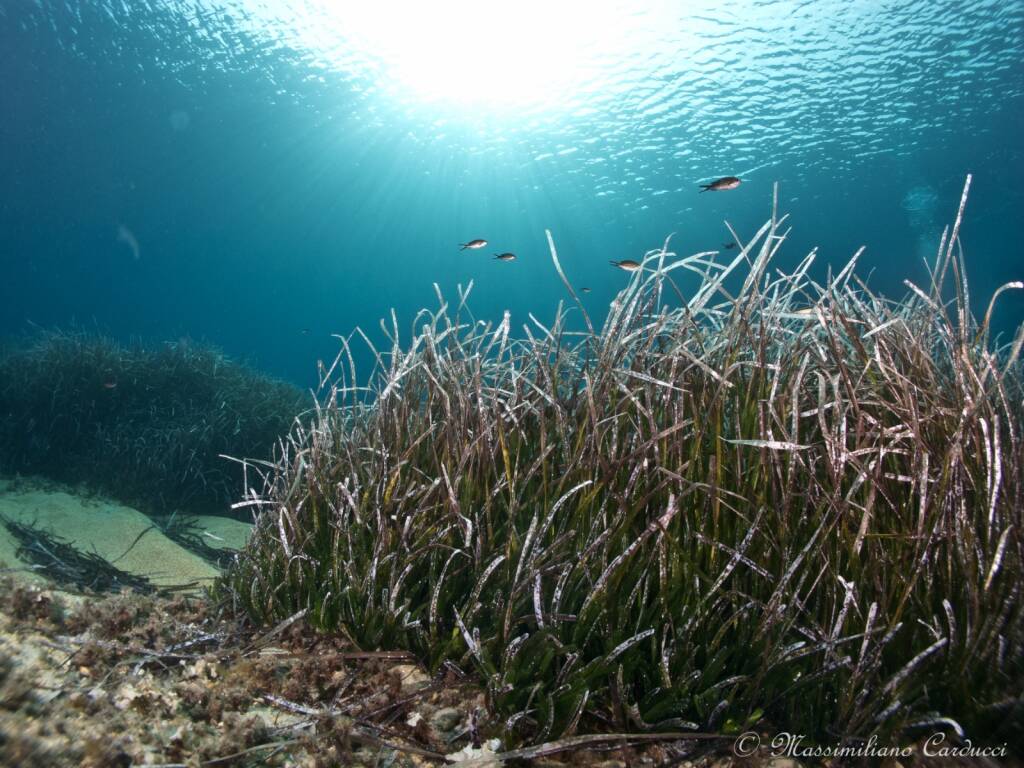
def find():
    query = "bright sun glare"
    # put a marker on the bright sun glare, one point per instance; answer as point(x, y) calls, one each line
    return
point(525, 53)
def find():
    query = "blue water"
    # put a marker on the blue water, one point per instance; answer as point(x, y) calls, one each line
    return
point(285, 169)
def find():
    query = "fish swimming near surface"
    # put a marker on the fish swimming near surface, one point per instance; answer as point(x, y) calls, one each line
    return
point(718, 185)
point(729, 246)
point(124, 235)
point(505, 256)
point(474, 244)
point(627, 265)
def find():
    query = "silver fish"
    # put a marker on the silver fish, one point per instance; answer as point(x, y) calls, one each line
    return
point(474, 244)
point(124, 235)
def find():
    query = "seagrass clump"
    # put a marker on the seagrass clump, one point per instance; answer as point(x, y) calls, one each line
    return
point(773, 501)
point(145, 425)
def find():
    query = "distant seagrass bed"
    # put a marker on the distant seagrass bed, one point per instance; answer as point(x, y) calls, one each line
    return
point(768, 503)
point(144, 424)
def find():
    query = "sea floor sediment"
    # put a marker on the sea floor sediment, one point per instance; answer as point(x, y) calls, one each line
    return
point(100, 682)
point(130, 680)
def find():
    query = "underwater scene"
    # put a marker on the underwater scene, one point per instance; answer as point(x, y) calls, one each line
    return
point(534, 384)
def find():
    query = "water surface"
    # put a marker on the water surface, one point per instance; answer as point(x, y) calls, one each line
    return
point(279, 169)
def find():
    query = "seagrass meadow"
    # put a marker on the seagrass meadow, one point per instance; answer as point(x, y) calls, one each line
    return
point(146, 424)
point(771, 502)
point(619, 384)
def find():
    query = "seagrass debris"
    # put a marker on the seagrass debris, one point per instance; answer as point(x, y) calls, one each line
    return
point(68, 566)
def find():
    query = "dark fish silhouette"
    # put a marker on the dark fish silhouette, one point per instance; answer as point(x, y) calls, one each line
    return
point(505, 256)
point(627, 265)
point(726, 182)
point(474, 244)
point(729, 246)
point(586, 290)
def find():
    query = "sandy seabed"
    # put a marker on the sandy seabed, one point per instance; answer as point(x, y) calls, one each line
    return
point(103, 526)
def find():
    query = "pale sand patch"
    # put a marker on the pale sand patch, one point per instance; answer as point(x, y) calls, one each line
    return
point(109, 528)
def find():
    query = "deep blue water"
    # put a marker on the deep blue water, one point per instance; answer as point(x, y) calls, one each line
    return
point(284, 169)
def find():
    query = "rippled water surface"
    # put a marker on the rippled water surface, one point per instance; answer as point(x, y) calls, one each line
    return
point(309, 165)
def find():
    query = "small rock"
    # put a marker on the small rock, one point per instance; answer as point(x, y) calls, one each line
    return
point(412, 677)
point(98, 695)
point(371, 757)
point(179, 735)
point(610, 764)
point(446, 719)
point(476, 753)
point(126, 696)
point(204, 669)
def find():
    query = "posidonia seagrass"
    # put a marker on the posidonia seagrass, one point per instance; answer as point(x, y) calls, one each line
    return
point(143, 424)
point(773, 499)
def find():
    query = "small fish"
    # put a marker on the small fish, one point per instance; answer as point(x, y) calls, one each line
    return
point(726, 182)
point(124, 235)
point(729, 246)
point(474, 244)
point(110, 384)
point(505, 256)
point(305, 331)
point(586, 290)
point(626, 265)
